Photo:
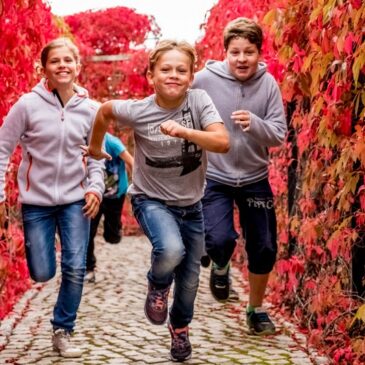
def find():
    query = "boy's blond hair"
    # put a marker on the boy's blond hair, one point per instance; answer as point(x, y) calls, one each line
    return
point(243, 28)
point(56, 43)
point(168, 45)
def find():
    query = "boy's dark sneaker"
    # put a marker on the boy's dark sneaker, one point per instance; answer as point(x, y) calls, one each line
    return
point(90, 276)
point(219, 282)
point(233, 294)
point(156, 304)
point(180, 344)
point(205, 261)
point(259, 322)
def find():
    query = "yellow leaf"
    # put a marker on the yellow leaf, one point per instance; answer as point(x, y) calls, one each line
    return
point(327, 10)
point(308, 61)
point(285, 53)
point(359, 318)
point(315, 13)
point(270, 17)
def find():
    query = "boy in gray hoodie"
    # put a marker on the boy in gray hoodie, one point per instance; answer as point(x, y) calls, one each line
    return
point(249, 101)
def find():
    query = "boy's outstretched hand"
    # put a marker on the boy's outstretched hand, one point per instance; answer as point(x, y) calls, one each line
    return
point(96, 155)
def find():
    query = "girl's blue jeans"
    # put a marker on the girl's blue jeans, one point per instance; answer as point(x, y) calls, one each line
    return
point(177, 238)
point(40, 224)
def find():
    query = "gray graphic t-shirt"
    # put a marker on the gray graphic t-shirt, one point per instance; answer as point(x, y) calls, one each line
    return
point(167, 168)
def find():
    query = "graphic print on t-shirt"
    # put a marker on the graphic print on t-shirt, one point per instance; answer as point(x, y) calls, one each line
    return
point(190, 153)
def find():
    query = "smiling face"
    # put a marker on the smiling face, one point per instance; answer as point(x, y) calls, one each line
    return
point(61, 68)
point(171, 76)
point(242, 57)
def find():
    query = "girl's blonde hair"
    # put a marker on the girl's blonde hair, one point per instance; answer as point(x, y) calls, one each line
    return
point(168, 45)
point(56, 43)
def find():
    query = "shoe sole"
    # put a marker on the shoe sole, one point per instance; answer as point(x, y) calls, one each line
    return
point(221, 300)
point(252, 332)
point(156, 323)
point(66, 355)
point(174, 359)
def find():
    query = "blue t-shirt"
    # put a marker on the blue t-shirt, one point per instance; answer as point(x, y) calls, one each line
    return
point(116, 179)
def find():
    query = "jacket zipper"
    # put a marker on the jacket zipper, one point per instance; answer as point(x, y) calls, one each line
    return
point(30, 158)
point(60, 154)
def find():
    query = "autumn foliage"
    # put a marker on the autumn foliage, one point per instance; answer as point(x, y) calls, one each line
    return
point(18, 52)
point(316, 51)
point(118, 31)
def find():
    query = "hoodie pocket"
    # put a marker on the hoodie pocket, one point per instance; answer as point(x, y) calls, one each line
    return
point(30, 158)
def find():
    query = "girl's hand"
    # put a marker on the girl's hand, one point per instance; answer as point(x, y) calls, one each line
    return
point(173, 129)
point(92, 205)
point(243, 118)
point(96, 155)
point(3, 215)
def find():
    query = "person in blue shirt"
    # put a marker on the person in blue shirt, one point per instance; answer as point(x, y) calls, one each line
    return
point(116, 184)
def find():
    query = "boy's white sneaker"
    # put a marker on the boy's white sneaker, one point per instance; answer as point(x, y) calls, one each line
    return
point(62, 343)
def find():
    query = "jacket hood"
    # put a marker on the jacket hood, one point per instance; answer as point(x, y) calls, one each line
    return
point(42, 90)
point(221, 69)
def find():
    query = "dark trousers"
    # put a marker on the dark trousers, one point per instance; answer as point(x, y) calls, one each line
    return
point(112, 211)
point(257, 220)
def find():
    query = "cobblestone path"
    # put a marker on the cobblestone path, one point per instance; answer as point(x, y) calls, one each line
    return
point(112, 328)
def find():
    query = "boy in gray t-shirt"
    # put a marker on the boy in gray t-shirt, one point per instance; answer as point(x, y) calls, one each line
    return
point(172, 130)
point(171, 169)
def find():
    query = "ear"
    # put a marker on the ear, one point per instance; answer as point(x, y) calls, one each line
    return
point(40, 71)
point(149, 76)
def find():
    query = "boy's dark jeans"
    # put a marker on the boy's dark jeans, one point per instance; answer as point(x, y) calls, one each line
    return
point(112, 211)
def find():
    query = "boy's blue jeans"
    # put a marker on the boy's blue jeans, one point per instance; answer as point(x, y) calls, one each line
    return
point(177, 238)
point(39, 224)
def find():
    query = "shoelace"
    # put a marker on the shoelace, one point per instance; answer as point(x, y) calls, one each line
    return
point(220, 281)
point(159, 299)
point(262, 317)
point(180, 339)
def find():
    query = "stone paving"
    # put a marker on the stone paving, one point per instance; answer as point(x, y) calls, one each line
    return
point(112, 328)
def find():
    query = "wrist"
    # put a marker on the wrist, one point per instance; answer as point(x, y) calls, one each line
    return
point(94, 151)
point(92, 193)
point(188, 132)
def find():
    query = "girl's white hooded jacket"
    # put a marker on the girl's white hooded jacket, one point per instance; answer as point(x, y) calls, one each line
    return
point(53, 170)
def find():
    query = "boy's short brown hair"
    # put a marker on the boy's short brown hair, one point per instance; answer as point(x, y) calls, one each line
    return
point(168, 45)
point(243, 28)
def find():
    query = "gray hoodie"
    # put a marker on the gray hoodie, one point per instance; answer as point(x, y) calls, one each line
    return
point(53, 170)
point(247, 160)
